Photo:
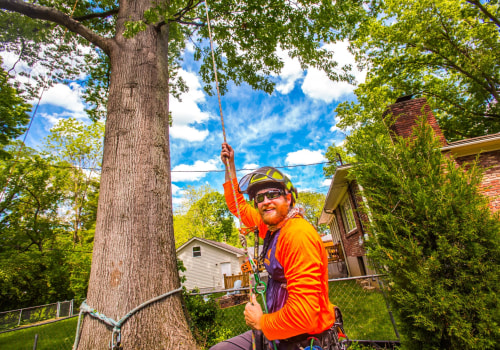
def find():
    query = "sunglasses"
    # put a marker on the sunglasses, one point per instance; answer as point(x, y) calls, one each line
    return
point(271, 194)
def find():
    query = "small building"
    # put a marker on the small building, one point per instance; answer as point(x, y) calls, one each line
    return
point(207, 262)
point(340, 210)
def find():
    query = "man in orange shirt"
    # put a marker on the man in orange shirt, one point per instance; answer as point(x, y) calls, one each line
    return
point(294, 257)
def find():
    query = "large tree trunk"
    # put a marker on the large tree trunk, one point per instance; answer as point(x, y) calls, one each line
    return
point(134, 252)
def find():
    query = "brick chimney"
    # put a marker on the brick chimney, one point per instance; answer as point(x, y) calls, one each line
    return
point(407, 111)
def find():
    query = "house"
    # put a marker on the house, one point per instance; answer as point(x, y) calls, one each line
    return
point(343, 199)
point(346, 223)
point(207, 262)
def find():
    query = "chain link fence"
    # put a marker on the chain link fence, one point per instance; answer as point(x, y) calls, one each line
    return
point(366, 313)
point(367, 317)
point(30, 315)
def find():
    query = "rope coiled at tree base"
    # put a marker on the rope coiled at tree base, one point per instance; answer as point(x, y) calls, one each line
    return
point(116, 335)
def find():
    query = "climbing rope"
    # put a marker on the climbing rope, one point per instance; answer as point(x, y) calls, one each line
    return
point(116, 335)
point(250, 266)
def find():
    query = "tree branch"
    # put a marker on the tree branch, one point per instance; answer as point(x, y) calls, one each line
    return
point(485, 11)
point(58, 17)
point(178, 17)
point(96, 15)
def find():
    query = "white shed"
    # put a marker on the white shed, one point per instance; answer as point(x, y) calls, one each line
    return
point(207, 261)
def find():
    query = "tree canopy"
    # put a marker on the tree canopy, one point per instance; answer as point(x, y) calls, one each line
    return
point(13, 112)
point(446, 51)
point(205, 214)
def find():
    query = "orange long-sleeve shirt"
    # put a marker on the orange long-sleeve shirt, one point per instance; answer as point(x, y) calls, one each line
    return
point(301, 253)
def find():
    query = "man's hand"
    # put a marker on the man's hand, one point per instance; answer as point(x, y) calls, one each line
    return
point(227, 157)
point(253, 313)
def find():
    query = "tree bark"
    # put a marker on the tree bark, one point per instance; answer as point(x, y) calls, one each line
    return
point(134, 257)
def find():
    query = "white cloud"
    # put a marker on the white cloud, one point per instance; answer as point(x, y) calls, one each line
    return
point(304, 156)
point(188, 133)
point(326, 183)
point(186, 113)
point(64, 96)
point(291, 72)
point(176, 190)
point(178, 202)
point(195, 172)
point(317, 85)
point(249, 166)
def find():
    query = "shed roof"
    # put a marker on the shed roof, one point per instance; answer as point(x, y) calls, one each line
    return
point(229, 248)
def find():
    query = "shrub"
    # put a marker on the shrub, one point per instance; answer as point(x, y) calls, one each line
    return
point(435, 237)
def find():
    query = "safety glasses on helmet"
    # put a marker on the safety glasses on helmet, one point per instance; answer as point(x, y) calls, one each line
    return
point(271, 194)
point(261, 175)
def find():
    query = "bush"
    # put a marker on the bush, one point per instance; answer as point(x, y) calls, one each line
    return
point(435, 237)
point(204, 319)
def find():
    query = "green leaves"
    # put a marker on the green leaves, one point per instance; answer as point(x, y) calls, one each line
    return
point(450, 57)
point(205, 214)
point(13, 112)
point(434, 236)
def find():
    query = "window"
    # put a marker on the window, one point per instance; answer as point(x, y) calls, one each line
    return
point(347, 214)
point(334, 229)
point(196, 251)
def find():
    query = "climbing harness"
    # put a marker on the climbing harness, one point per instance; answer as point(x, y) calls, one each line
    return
point(115, 343)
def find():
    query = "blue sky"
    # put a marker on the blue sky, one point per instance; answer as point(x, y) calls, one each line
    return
point(293, 126)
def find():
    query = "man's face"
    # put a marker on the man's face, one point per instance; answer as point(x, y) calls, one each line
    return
point(273, 211)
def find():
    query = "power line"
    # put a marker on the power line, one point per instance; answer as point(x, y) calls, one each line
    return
point(185, 171)
point(277, 167)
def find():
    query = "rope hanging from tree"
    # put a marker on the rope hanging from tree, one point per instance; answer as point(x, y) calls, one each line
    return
point(250, 266)
point(116, 335)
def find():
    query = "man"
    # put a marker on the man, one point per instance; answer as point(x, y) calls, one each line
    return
point(294, 256)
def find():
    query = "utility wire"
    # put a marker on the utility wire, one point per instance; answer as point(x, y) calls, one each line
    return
point(183, 171)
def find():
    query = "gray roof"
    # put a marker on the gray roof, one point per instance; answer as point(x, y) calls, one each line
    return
point(220, 245)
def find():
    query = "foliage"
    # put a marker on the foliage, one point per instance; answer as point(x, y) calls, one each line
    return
point(79, 146)
point(203, 315)
point(312, 203)
point(40, 261)
point(204, 319)
point(204, 214)
point(450, 57)
point(435, 237)
point(32, 270)
point(246, 34)
point(13, 112)
point(338, 156)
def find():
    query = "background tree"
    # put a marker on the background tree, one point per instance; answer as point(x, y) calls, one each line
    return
point(436, 238)
point(79, 146)
point(446, 51)
point(207, 216)
point(32, 268)
point(13, 112)
point(142, 41)
point(338, 156)
point(313, 203)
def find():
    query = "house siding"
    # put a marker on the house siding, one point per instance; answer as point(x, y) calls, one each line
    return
point(351, 240)
point(490, 184)
point(204, 272)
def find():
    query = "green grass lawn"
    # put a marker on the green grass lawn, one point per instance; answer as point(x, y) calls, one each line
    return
point(364, 311)
point(52, 336)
